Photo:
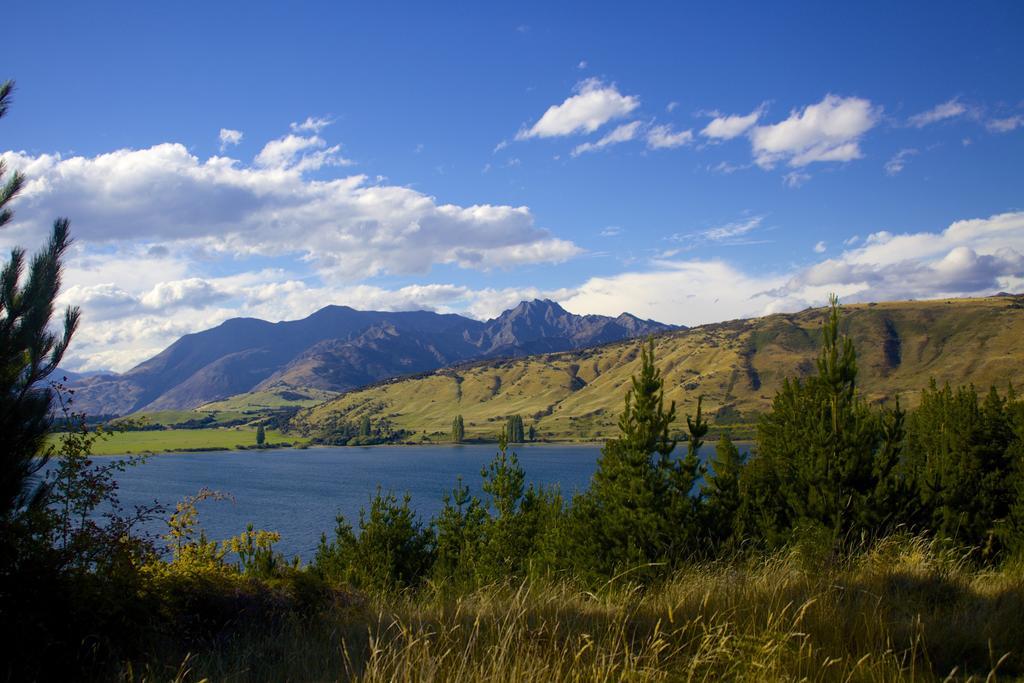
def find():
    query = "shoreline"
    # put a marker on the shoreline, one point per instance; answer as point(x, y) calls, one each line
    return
point(236, 451)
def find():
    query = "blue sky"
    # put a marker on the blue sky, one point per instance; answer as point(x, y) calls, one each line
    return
point(687, 163)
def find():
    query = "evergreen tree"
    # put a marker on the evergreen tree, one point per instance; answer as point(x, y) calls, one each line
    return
point(514, 431)
point(531, 433)
point(637, 511)
point(29, 352)
point(392, 551)
point(458, 429)
point(261, 435)
point(459, 529)
point(826, 449)
point(364, 427)
point(721, 493)
point(960, 452)
point(497, 539)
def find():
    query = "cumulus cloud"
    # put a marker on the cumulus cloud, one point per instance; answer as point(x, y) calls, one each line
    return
point(229, 138)
point(978, 256)
point(301, 153)
point(347, 228)
point(663, 137)
point(732, 126)
point(940, 112)
point(691, 292)
point(593, 105)
point(1005, 125)
point(969, 258)
point(827, 131)
point(898, 161)
point(820, 247)
point(623, 133)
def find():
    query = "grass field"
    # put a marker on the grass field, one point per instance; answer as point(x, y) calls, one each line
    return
point(170, 418)
point(902, 612)
point(256, 401)
point(168, 440)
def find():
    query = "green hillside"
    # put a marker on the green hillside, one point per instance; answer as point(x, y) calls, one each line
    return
point(737, 366)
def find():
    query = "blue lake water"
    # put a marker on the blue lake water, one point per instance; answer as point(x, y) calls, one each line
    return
point(299, 492)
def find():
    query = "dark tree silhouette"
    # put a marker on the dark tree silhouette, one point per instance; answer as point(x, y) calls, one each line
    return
point(29, 352)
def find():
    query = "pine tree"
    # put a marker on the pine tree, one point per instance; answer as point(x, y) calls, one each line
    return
point(459, 530)
point(29, 352)
point(721, 492)
point(960, 452)
point(625, 520)
point(825, 448)
point(261, 435)
point(364, 427)
point(458, 429)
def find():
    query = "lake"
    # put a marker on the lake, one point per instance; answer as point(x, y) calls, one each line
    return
point(299, 492)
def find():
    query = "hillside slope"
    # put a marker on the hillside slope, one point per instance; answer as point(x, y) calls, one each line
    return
point(738, 366)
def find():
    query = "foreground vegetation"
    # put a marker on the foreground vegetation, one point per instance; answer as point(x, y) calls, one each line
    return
point(903, 610)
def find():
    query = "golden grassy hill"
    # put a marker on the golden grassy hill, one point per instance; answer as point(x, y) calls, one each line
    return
point(737, 366)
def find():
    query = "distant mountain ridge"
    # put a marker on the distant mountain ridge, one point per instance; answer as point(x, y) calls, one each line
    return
point(735, 367)
point(339, 348)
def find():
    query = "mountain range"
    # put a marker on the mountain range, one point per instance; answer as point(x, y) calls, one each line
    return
point(736, 366)
point(338, 349)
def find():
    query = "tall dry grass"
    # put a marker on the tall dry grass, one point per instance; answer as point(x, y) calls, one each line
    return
point(903, 611)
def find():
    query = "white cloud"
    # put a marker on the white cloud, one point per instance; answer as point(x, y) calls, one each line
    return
point(827, 131)
point(795, 179)
point(671, 107)
point(850, 241)
point(969, 258)
point(611, 231)
point(594, 104)
point(1005, 125)
point(500, 146)
point(690, 292)
point(312, 124)
point(346, 228)
point(582, 64)
point(820, 247)
point(729, 127)
point(229, 138)
point(733, 230)
point(623, 133)
point(193, 292)
point(898, 161)
point(662, 137)
point(301, 153)
point(728, 234)
point(940, 112)
point(727, 168)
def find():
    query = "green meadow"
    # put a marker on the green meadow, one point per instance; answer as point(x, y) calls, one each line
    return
point(170, 440)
